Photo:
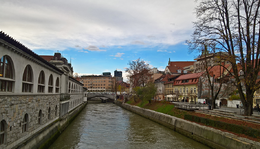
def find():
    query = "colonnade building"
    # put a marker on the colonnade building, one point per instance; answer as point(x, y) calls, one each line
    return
point(33, 92)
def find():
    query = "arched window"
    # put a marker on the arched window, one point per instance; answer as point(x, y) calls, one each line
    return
point(57, 86)
point(41, 81)
point(27, 79)
point(25, 123)
point(40, 117)
point(49, 113)
point(3, 127)
point(50, 84)
point(6, 74)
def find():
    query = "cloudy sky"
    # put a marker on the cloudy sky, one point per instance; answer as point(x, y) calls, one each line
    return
point(102, 35)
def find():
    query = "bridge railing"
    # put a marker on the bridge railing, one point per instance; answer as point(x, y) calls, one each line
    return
point(64, 97)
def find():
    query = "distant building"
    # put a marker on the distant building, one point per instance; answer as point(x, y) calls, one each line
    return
point(98, 83)
point(118, 75)
point(107, 74)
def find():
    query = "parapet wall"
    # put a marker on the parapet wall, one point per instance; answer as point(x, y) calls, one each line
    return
point(209, 136)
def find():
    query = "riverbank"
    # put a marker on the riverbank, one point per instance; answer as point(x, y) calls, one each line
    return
point(211, 137)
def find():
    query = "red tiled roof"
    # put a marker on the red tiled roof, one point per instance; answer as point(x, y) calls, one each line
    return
point(174, 66)
point(189, 76)
point(46, 57)
point(217, 70)
point(191, 79)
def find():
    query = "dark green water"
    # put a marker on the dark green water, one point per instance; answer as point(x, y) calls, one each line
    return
point(107, 126)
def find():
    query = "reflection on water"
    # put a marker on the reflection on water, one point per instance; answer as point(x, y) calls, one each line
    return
point(105, 125)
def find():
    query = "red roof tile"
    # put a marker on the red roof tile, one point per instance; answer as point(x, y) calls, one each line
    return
point(46, 57)
point(217, 70)
point(190, 76)
point(174, 66)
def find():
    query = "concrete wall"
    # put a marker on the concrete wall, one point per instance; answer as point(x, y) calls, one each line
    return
point(209, 136)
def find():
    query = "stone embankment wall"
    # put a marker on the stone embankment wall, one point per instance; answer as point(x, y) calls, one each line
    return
point(47, 135)
point(209, 136)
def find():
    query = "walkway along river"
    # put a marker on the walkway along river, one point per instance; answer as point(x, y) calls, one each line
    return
point(106, 125)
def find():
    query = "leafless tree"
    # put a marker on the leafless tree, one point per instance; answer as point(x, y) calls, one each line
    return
point(138, 73)
point(232, 26)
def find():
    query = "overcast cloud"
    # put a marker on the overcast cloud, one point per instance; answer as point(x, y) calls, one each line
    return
point(62, 24)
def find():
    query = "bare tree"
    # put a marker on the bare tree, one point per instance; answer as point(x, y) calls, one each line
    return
point(138, 73)
point(232, 26)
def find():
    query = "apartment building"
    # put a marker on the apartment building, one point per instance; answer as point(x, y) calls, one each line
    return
point(98, 83)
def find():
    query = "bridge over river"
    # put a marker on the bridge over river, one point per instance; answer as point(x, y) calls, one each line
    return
point(108, 126)
point(103, 96)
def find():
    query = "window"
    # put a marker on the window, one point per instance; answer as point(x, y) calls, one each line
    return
point(2, 132)
point(49, 113)
point(194, 90)
point(25, 123)
point(6, 74)
point(41, 81)
point(187, 90)
point(27, 79)
point(57, 86)
point(40, 117)
point(183, 90)
point(50, 84)
point(191, 90)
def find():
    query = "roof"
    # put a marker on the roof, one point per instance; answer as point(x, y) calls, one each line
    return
point(47, 57)
point(218, 70)
point(174, 66)
point(189, 76)
point(20, 46)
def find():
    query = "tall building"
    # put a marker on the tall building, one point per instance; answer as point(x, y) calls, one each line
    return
point(107, 74)
point(118, 75)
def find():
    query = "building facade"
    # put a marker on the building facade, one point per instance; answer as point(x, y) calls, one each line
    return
point(30, 93)
point(98, 83)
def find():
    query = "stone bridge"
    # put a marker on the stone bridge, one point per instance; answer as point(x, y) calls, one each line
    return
point(103, 96)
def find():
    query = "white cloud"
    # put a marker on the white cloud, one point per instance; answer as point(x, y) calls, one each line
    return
point(61, 25)
point(119, 54)
point(94, 48)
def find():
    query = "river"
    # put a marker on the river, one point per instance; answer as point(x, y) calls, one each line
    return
point(108, 126)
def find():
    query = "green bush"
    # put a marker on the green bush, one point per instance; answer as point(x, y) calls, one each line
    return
point(226, 126)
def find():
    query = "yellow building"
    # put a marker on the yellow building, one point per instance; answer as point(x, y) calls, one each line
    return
point(186, 87)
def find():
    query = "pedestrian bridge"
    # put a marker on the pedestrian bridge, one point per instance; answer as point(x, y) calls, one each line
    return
point(102, 95)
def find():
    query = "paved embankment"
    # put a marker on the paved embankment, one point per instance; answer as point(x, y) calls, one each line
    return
point(209, 136)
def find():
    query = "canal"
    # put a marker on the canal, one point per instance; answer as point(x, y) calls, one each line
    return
point(108, 126)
